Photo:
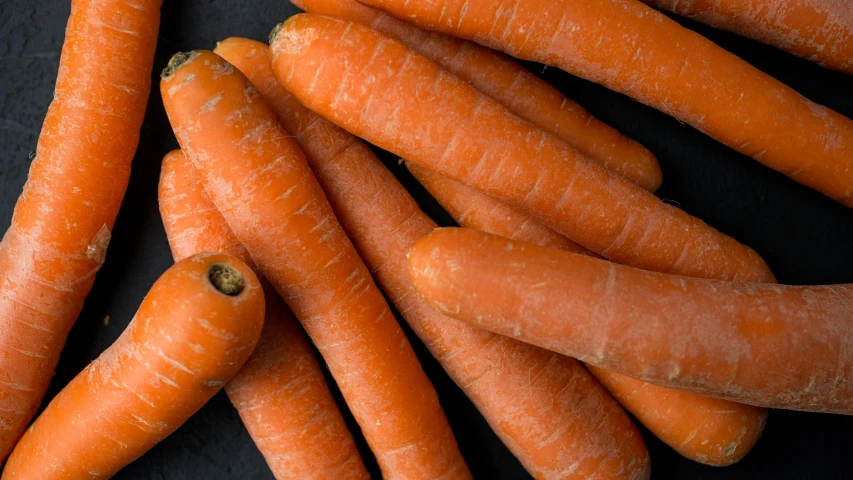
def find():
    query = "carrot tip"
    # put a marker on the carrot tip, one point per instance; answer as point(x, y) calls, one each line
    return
point(226, 279)
point(177, 60)
point(275, 31)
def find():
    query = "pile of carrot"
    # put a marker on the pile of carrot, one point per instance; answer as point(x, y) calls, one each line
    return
point(570, 297)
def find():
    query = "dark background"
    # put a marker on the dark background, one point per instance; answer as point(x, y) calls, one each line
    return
point(805, 237)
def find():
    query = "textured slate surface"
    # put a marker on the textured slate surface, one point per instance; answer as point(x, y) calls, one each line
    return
point(804, 237)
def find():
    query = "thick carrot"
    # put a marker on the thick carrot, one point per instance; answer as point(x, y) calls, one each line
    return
point(761, 344)
point(192, 333)
point(64, 218)
point(709, 430)
point(820, 31)
point(547, 409)
point(280, 392)
point(523, 93)
point(632, 49)
point(397, 99)
point(259, 180)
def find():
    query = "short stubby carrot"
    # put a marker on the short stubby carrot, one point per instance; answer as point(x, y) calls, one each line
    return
point(820, 31)
point(545, 407)
point(761, 344)
point(384, 92)
point(505, 80)
point(191, 334)
point(633, 49)
point(64, 218)
point(708, 430)
point(280, 393)
point(258, 178)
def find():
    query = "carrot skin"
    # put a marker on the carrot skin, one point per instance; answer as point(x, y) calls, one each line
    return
point(185, 342)
point(633, 49)
point(280, 393)
point(465, 135)
point(509, 83)
point(818, 31)
point(761, 344)
point(258, 178)
point(708, 430)
point(476, 210)
point(64, 218)
point(546, 408)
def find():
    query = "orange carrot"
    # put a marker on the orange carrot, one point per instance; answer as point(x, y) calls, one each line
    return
point(708, 430)
point(259, 180)
point(397, 99)
point(820, 31)
point(194, 330)
point(479, 211)
point(547, 409)
point(64, 218)
point(523, 93)
point(761, 344)
point(632, 49)
point(280, 392)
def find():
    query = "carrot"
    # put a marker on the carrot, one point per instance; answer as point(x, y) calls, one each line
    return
point(382, 91)
point(818, 31)
point(632, 49)
point(545, 407)
point(707, 430)
point(259, 180)
point(523, 93)
point(194, 330)
point(476, 210)
point(280, 392)
point(761, 344)
point(63, 220)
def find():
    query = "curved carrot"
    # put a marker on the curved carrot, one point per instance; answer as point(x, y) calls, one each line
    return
point(64, 218)
point(259, 180)
point(632, 49)
point(708, 430)
point(194, 330)
point(820, 31)
point(761, 344)
point(520, 91)
point(393, 97)
point(545, 407)
point(280, 392)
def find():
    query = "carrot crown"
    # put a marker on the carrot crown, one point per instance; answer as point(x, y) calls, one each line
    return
point(226, 279)
point(176, 62)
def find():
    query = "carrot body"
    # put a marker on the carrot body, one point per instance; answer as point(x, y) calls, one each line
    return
point(259, 180)
point(817, 30)
point(280, 392)
point(761, 344)
point(632, 49)
point(520, 91)
point(479, 211)
point(401, 101)
point(190, 335)
point(64, 218)
point(709, 430)
point(547, 409)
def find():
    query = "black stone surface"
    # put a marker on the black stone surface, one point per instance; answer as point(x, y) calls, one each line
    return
point(806, 238)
